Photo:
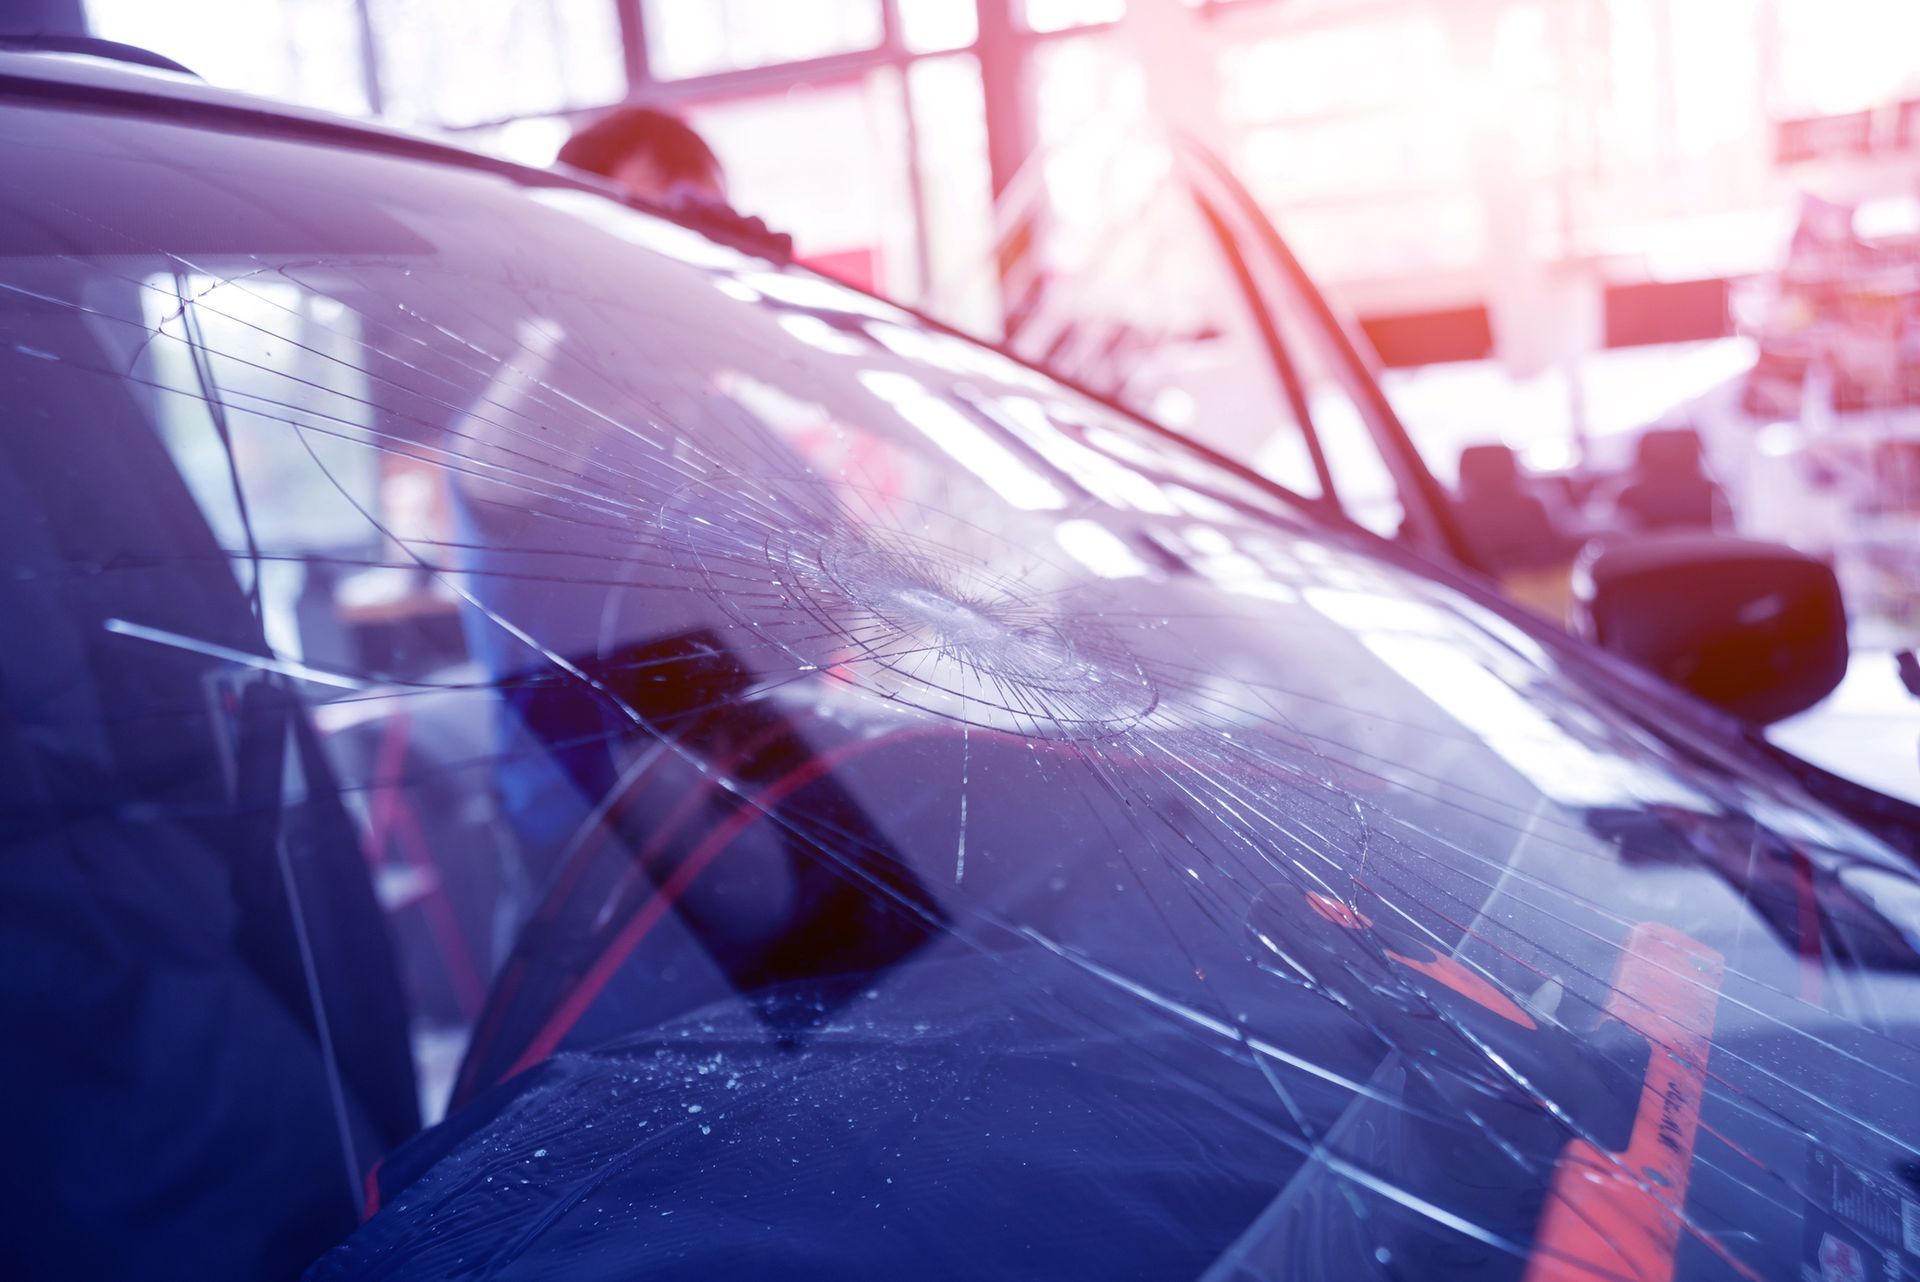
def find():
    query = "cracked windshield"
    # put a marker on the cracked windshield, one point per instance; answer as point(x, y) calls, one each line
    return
point(763, 775)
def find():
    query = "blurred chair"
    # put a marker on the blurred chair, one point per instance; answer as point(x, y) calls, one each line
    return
point(1668, 488)
point(1508, 527)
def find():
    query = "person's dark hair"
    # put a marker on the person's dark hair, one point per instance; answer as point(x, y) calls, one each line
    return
point(668, 141)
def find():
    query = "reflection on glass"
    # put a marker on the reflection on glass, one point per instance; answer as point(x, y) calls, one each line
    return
point(965, 441)
point(1569, 771)
point(1099, 549)
point(816, 333)
point(1099, 475)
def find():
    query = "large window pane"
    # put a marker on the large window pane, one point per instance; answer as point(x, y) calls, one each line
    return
point(930, 26)
point(1334, 70)
point(1091, 95)
point(1112, 276)
point(826, 163)
point(304, 50)
point(956, 188)
point(1359, 154)
point(1369, 238)
point(1844, 55)
point(699, 37)
point(457, 62)
point(1058, 15)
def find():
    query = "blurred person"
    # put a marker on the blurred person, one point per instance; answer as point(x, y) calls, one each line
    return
point(656, 158)
point(659, 160)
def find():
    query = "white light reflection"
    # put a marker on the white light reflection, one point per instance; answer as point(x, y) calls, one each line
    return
point(791, 416)
point(1174, 407)
point(1195, 504)
point(944, 351)
point(1376, 612)
point(1099, 549)
point(1113, 483)
point(818, 294)
point(964, 441)
point(817, 334)
point(1216, 557)
point(1519, 732)
point(1809, 824)
point(737, 289)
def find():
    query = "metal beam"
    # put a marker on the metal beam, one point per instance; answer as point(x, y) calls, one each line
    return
point(633, 45)
point(895, 44)
point(369, 60)
point(1003, 78)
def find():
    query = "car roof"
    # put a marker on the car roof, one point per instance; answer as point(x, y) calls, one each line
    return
point(77, 76)
point(85, 81)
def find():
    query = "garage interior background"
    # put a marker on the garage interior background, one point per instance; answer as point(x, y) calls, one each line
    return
point(1560, 221)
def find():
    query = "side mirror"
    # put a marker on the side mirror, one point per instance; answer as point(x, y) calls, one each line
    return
point(1755, 628)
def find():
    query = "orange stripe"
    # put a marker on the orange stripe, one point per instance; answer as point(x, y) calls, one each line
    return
point(1470, 984)
point(1442, 969)
point(1620, 1214)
